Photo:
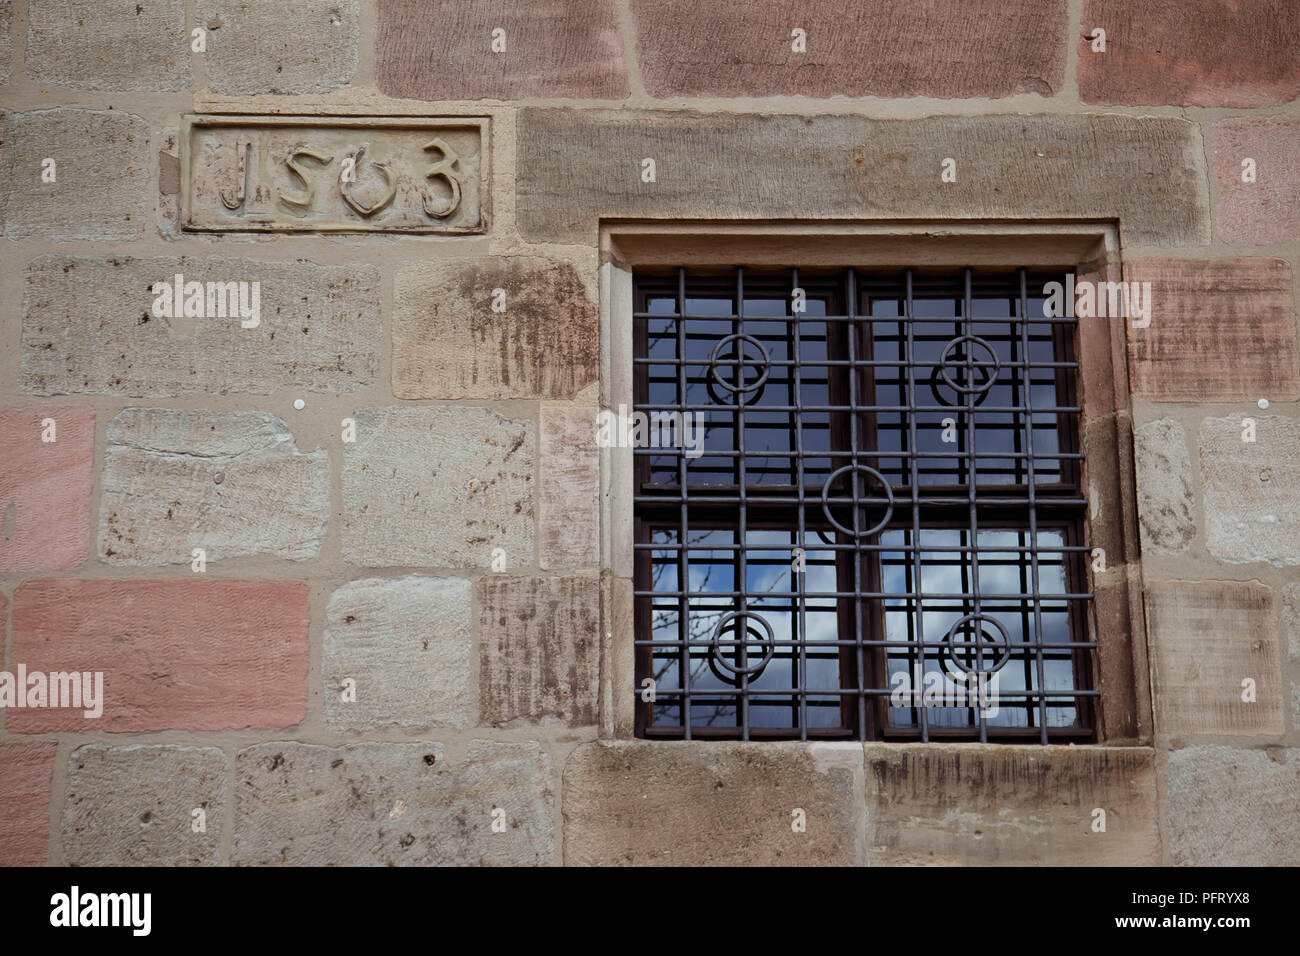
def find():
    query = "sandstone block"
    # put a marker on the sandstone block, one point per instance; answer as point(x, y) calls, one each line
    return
point(406, 643)
point(230, 483)
point(45, 487)
point(392, 805)
point(134, 805)
point(439, 487)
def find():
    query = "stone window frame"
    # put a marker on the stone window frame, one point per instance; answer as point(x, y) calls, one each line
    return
point(1090, 248)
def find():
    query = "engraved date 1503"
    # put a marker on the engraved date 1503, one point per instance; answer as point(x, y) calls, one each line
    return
point(300, 201)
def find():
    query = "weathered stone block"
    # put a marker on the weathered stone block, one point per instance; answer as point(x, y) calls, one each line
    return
point(570, 488)
point(1166, 511)
point(406, 643)
point(1221, 331)
point(696, 803)
point(291, 46)
point(449, 343)
point(230, 483)
point(1252, 489)
point(175, 655)
point(927, 48)
point(1267, 209)
point(45, 487)
point(1206, 638)
point(392, 805)
point(1291, 618)
point(109, 44)
point(443, 50)
point(438, 486)
point(1233, 807)
point(26, 772)
point(102, 181)
point(134, 806)
point(539, 649)
point(575, 167)
point(6, 40)
point(1108, 469)
point(969, 804)
point(89, 327)
point(1190, 53)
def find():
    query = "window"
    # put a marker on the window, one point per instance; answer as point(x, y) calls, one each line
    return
point(881, 534)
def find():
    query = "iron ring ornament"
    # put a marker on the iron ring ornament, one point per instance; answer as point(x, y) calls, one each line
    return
point(768, 643)
point(974, 624)
point(740, 361)
point(889, 498)
point(946, 363)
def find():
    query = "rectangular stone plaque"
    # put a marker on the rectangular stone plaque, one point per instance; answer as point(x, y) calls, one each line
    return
point(334, 174)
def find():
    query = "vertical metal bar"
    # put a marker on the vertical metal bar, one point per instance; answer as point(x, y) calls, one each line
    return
point(914, 476)
point(683, 552)
point(742, 535)
point(800, 580)
point(859, 619)
point(1033, 507)
point(972, 477)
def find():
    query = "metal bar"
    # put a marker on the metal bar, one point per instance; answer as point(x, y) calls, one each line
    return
point(1033, 513)
point(797, 575)
point(684, 557)
point(742, 537)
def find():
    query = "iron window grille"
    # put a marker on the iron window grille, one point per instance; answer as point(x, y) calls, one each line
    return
point(888, 491)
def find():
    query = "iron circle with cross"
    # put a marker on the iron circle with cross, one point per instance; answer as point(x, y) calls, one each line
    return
point(766, 640)
point(974, 624)
point(946, 363)
point(741, 339)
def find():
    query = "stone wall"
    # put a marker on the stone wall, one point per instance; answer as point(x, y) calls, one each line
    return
point(443, 562)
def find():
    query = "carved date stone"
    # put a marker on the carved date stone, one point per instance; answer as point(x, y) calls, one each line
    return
point(334, 174)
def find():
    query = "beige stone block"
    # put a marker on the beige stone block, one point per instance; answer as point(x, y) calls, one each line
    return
point(406, 645)
point(439, 486)
point(134, 805)
point(109, 44)
point(710, 803)
point(89, 328)
point(570, 487)
point(102, 184)
point(974, 804)
point(1233, 807)
point(393, 804)
point(1206, 638)
point(290, 46)
point(1166, 509)
point(231, 483)
point(1251, 489)
point(575, 167)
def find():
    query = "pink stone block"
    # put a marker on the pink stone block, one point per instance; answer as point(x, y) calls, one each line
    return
point(45, 487)
point(26, 771)
point(182, 655)
point(1268, 209)
point(1236, 53)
